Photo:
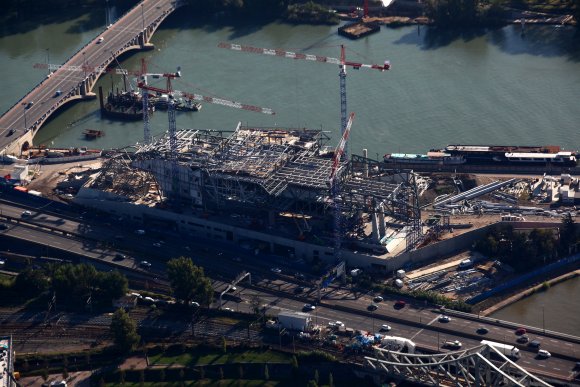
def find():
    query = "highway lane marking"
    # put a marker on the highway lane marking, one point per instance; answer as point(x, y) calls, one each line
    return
point(553, 341)
point(542, 365)
point(422, 329)
point(556, 369)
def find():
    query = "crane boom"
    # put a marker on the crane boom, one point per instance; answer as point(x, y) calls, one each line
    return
point(338, 152)
point(310, 57)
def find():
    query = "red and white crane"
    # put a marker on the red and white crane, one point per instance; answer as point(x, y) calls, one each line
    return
point(143, 75)
point(334, 182)
point(342, 63)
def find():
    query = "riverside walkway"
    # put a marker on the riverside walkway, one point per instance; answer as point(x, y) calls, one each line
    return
point(76, 79)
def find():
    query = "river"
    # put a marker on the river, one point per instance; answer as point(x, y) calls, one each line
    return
point(482, 86)
point(555, 309)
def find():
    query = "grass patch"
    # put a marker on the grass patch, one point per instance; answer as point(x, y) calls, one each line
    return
point(199, 356)
point(204, 382)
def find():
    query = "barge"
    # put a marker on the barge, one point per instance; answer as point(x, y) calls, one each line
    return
point(432, 157)
point(43, 155)
point(508, 154)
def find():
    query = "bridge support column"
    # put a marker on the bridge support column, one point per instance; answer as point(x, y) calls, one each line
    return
point(85, 89)
point(144, 41)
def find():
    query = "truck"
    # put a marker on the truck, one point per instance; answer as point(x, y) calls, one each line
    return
point(398, 344)
point(295, 321)
point(507, 350)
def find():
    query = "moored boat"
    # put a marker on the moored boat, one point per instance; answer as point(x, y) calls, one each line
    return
point(432, 157)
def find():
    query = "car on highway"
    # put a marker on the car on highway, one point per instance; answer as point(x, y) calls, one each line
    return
point(156, 244)
point(372, 307)
point(140, 232)
point(145, 264)
point(521, 331)
point(308, 307)
point(11, 132)
point(194, 304)
point(299, 289)
point(2, 262)
point(29, 105)
point(482, 330)
point(378, 299)
point(57, 93)
point(523, 339)
point(543, 353)
point(399, 304)
point(119, 257)
point(228, 309)
point(454, 344)
point(3, 226)
point(100, 40)
point(26, 213)
point(276, 270)
point(444, 319)
point(534, 344)
point(385, 328)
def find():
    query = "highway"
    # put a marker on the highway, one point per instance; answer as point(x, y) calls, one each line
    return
point(416, 320)
point(116, 39)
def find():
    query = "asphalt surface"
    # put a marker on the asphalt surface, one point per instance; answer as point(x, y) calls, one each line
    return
point(416, 321)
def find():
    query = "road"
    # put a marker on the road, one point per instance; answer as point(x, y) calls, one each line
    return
point(23, 117)
point(416, 321)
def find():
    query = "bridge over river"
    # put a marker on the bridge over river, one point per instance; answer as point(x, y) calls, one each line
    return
point(132, 31)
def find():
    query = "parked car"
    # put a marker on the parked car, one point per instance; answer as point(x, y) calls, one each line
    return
point(534, 344)
point(119, 257)
point(299, 276)
point(444, 319)
point(276, 270)
point(26, 213)
point(378, 299)
point(3, 226)
point(521, 331)
point(372, 307)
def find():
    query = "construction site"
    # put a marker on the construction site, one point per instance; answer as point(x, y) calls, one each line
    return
point(281, 191)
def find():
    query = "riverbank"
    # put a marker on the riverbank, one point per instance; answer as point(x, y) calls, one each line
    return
point(499, 302)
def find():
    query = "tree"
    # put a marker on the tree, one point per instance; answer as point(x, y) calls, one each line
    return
point(124, 331)
point(567, 233)
point(188, 281)
point(111, 285)
point(31, 282)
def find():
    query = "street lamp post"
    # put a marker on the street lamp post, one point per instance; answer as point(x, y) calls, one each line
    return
point(143, 20)
point(48, 59)
point(84, 64)
point(543, 320)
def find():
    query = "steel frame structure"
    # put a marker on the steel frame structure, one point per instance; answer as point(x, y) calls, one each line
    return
point(275, 169)
point(467, 367)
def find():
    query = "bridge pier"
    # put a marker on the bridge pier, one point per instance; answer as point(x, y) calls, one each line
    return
point(143, 41)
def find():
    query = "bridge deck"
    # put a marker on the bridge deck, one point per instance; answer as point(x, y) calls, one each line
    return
point(132, 31)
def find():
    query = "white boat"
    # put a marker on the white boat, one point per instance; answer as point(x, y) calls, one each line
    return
point(432, 157)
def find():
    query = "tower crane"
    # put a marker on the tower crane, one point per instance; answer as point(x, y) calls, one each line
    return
point(342, 64)
point(334, 183)
point(142, 84)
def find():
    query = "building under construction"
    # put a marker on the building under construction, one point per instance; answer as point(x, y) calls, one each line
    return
point(266, 189)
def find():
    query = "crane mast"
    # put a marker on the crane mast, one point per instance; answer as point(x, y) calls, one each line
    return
point(334, 182)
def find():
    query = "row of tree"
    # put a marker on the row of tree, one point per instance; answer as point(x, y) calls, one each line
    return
point(74, 285)
point(525, 251)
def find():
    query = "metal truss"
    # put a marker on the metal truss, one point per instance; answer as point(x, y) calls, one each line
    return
point(468, 367)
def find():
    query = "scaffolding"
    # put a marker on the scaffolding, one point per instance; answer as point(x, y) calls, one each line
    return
point(269, 171)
